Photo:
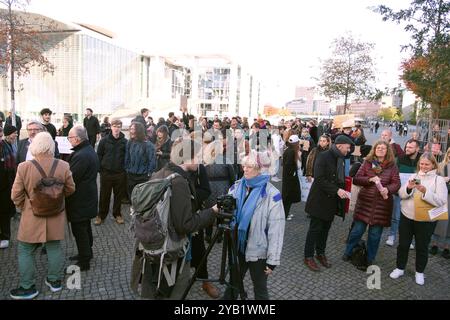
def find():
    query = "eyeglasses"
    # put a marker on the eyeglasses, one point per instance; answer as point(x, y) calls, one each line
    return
point(70, 137)
point(34, 130)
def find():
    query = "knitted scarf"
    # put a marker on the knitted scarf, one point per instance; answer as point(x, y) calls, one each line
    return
point(245, 211)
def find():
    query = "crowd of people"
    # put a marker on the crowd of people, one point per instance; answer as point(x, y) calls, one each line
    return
point(226, 156)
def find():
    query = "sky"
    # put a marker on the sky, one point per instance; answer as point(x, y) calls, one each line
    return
point(279, 41)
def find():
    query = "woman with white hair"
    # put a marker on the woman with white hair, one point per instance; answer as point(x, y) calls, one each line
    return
point(258, 223)
point(36, 229)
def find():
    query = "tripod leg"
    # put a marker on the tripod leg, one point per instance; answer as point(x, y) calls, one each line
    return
point(203, 260)
point(236, 284)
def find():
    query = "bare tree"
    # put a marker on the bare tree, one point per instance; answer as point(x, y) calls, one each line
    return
point(350, 72)
point(25, 38)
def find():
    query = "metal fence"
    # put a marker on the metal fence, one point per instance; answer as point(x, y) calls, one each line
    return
point(434, 136)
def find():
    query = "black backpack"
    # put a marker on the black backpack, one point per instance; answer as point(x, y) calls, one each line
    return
point(359, 254)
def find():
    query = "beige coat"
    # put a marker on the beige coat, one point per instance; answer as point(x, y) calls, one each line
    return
point(34, 229)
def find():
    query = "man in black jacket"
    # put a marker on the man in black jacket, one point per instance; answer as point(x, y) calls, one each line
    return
point(111, 155)
point(81, 206)
point(326, 199)
point(142, 117)
point(92, 126)
point(46, 115)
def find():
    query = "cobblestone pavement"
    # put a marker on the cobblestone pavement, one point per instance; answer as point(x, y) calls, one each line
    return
point(110, 268)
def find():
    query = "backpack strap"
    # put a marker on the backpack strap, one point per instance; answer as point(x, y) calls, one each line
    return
point(38, 166)
point(53, 169)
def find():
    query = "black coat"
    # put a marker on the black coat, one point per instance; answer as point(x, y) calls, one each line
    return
point(6, 182)
point(82, 205)
point(323, 201)
point(111, 153)
point(92, 126)
point(290, 188)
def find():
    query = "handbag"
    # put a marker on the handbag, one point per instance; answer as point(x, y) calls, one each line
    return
point(421, 208)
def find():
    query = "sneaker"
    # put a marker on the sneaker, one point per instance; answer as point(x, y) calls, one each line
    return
point(390, 241)
point(397, 273)
point(98, 221)
point(4, 244)
point(24, 294)
point(276, 179)
point(54, 286)
point(446, 254)
point(411, 247)
point(434, 250)
point(289, 217)
point(420, 278)
point(120, 220)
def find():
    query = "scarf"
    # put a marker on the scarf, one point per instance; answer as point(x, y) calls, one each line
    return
point(340, 164)
point(7, 155)
point(245, 211)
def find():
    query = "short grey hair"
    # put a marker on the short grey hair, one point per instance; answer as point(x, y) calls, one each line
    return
point(81, 133)
point(43, 143)
point(37, 123)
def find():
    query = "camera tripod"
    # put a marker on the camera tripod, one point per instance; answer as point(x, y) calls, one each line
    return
point(229, 249)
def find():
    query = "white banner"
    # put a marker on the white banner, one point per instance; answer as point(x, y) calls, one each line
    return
point(404, 177)
point(64, 145)
point(305, 186)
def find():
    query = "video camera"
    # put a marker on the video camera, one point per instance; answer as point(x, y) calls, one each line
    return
point(227, 203)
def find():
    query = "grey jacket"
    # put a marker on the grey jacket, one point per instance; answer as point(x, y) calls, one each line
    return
point(265, 237)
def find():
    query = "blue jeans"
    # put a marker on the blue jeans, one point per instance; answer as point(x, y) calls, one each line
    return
point(373, 240)
point(395, 217)
point(347, 167)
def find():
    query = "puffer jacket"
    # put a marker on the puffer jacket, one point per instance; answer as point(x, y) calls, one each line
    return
point(266, 231)
point(436, 193)
point(371, 208)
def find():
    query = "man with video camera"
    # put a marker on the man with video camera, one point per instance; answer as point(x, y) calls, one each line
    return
point(184, 219)
point(258, 224)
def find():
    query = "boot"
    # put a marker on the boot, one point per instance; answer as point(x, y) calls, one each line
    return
point(210, 289)
point(311, 264)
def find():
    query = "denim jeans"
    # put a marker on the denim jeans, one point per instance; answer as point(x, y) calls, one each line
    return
point(347, 167)
point(27, 268)
point(395, 217)
point(373, 240)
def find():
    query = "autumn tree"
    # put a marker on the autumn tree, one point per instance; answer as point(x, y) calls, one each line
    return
point(349, 72)
point(427, 71)
point(23, 40)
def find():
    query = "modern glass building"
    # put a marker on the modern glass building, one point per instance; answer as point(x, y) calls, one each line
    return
point(90, 71)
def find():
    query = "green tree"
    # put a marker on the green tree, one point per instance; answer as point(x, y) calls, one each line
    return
point(349, 72)
point(427, 72)
point(390, 114)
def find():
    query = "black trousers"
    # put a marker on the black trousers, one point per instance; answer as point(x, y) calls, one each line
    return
point(92, 140)
point(422, 232)
point(83, 236)
point(133, 180)
point(258, 276)
point(111, 182)
point(287, 207)
point(198, 251)
point(5, 226)
point(316, 239)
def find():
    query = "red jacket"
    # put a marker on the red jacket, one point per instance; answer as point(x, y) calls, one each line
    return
point(371, 208)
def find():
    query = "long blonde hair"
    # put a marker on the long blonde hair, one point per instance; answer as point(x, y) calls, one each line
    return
point(443, 163)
